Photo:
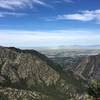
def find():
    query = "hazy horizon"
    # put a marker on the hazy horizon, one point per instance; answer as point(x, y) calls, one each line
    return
point(45, 23)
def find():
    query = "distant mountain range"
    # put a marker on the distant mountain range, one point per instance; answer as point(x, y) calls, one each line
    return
point(76, 47)
point(80, 47)
point(64, 47)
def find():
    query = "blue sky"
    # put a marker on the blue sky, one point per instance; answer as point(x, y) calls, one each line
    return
point(39, 23)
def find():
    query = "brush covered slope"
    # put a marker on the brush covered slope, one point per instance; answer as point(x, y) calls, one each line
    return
point(29, 75)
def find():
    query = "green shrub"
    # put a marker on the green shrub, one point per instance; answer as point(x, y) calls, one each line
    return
point(94, 89)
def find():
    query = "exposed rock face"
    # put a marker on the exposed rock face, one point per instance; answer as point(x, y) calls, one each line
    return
point(18, 66)
point(89, 69)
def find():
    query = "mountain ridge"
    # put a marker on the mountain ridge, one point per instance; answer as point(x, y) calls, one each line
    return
point(89, 68)
point(29, 70)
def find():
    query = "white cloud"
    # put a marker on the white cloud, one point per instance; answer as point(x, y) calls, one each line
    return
point(4, 14)
point(87, 15)
point(40, 2)
point(12, 4)
point(53, 38)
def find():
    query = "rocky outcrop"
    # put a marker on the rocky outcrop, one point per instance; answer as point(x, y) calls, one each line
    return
point(15, 94)
point(18, 66)
point(89, 69)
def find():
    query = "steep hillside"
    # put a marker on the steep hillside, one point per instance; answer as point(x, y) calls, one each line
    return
point(68, 63)
point(28, 70)
point(89, 69)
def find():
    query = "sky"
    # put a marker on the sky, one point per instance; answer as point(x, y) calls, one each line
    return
point(49, 23)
